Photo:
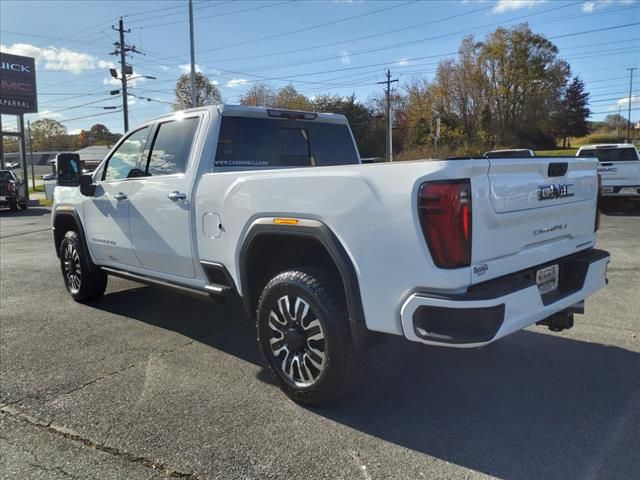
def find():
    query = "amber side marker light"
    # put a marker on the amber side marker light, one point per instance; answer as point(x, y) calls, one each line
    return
point(286, 221)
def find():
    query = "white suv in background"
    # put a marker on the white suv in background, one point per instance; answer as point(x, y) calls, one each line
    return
point(619, 168)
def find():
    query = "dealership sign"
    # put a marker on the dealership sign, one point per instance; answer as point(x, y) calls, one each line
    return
point(18, 84)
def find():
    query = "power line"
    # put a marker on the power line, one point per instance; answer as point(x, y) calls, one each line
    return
point(221, 14)
point(88, 116)
point(176, 7)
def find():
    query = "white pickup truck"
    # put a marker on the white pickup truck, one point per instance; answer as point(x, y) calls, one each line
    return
point(274, 206)
point(619, 168)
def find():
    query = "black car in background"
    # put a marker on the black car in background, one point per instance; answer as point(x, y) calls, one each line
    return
point(13, 190)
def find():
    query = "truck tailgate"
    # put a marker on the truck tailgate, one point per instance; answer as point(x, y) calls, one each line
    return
point(535, 210)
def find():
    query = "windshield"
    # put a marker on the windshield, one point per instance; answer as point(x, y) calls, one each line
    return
point(611, 154)
point(261, 142)
point(5, 176)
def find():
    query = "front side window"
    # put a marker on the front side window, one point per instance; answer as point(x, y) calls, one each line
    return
point(126, 161)
point(172, 146)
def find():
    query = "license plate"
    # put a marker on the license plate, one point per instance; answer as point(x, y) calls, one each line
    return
point(547, 279)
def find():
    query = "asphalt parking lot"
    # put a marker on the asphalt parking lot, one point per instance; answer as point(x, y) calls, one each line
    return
point(148, 384)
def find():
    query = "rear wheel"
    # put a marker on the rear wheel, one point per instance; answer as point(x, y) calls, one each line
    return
point(84, 281)
point(304, 337)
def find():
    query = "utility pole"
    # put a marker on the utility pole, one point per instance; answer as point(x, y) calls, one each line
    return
point(629, 113)
point(33, 175)
point(389, 142)
point(121, 49)
point(193, 59)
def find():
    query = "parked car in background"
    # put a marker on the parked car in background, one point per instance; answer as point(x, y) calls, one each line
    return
point(512, 153)
point(11, 165)
point(13, 191)
point(619, 168)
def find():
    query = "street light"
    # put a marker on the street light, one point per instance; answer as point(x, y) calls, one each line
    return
point(142, 76)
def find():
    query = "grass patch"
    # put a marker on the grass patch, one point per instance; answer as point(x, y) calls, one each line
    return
point(38, 189)
point(566, 152)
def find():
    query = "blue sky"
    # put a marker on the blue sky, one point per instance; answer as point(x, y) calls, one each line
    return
point(318, 46)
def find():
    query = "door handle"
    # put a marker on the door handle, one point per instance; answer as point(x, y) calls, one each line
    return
point(176, 195)
point(120, 196)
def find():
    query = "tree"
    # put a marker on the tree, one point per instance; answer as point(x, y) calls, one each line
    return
point(615, 122)
point(259, 95)
point(49, 134)
point(206, 92)
point(525, 82)
point(288, 97)
point(571, 118)
point(98, 134)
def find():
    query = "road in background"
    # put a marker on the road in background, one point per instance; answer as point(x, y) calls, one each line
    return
point(148, 384)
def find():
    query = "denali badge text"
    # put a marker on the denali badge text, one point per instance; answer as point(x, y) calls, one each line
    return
point(553, 228)
point(549, 192)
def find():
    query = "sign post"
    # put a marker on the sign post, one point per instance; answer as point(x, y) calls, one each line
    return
point(18, 95)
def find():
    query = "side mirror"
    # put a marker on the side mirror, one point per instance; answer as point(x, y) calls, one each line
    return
point(87, 187)
point(68, 166)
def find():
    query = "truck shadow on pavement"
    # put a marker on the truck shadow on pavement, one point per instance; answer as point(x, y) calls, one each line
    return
point(531, 406)
point(619, 207)
point(30, 212)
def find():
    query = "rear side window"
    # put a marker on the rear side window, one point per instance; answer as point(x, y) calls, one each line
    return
point(261, 142)
point(509, 154)
point(126, 160)
point(172, 146)
point(611, 154)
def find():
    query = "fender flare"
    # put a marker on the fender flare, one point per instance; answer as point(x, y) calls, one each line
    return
point(324, 235)
point(72, 213)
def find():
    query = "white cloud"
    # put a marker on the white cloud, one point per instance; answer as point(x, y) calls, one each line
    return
point(48, 114)
point(53, 58)
point(635, 99)
point(344, 57)
point(403, 62)
point(236, 82)
point(186, 68)
point(502, 6)
point(164, 67)
point(592, 5)
point(74, 131)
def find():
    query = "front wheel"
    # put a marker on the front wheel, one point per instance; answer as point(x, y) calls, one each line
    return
point(304, 337)
point(84, 281)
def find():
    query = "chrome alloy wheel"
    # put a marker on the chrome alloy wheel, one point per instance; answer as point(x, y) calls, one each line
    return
point(297, 341)
point(71, 268)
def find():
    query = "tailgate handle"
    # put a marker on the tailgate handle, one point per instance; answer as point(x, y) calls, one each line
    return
point(606, 164)
point(557, 169)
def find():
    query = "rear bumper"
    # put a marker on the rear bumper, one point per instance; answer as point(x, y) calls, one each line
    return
point(494, 309)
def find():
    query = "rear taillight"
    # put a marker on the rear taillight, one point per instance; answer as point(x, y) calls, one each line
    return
point(11, 187)
point(597, 222)
point(445, 217)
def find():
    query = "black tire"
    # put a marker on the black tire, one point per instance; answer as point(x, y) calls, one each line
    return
point(311, 361)
point(13, 205)
point(83, 280)
point(24, 205)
